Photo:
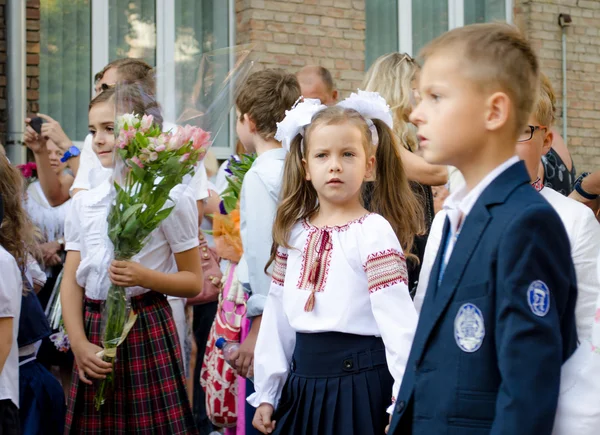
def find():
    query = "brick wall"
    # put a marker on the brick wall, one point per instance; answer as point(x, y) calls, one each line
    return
point(293, 33)
point(33, 61)
point(539, 19)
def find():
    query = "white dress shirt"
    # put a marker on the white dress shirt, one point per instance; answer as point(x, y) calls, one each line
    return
point(86, 231)
point(361, 289)
point(11, 289)
point(258, 206)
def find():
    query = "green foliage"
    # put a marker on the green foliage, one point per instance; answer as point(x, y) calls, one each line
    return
point(238, 169)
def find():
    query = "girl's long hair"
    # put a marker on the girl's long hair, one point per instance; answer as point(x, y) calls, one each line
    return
point(17, 232)
point(392, 196)
point(392, 76)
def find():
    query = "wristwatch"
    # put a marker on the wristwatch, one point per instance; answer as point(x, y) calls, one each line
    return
point(71, 152)
point(61, 242)
point(579, 189)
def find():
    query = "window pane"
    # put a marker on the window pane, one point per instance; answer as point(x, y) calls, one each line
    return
point(65, 63)
point(429, 20)
point(200, 27)
point(483, 11)
point(132, 30)
point(382, 29)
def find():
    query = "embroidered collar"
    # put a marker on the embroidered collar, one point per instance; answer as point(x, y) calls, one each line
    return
point(538, 185)
point(307, 225)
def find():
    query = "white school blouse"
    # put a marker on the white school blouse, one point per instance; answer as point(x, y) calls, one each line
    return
point(86, 231)
point(11, 288)
point(361, 288)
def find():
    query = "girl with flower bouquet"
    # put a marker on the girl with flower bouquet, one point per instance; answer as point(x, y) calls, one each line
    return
point(142, 389)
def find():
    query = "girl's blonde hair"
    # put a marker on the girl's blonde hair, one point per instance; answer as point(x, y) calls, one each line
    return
point(17, 232)
point(392, 196)
point(392, 75)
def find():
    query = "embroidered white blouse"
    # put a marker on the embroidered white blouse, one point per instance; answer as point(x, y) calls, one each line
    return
point(86, 231)
point(358, 272)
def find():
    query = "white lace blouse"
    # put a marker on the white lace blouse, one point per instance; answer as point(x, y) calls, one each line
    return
point(359, 273)
point(86, 231)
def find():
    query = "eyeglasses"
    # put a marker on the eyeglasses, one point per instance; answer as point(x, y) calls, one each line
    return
point(529, 131)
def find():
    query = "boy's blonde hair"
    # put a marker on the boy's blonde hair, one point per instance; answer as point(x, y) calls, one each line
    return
point(545, 108)
point(494, 56)
point(265, 97)
point(392, 75)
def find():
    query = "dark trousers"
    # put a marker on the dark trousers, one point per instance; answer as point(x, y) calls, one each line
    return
point(9, 418)
point(204, 316)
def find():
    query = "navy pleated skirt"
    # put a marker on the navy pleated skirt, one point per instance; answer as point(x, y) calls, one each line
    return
point(42, 401)
point(338, 384)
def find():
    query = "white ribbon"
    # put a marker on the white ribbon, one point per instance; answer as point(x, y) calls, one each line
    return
point(370, 105)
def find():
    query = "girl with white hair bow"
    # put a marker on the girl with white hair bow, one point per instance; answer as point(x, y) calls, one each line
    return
point(338, 324)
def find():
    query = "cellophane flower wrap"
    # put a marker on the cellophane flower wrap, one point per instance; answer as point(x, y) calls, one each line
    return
point(151, 162)
point(226, 223)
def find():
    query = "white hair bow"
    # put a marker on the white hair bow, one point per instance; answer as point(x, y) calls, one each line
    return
point(298, 117)
point(370, 105)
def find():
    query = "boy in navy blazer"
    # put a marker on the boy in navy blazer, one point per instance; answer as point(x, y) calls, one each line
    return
point(498, 317)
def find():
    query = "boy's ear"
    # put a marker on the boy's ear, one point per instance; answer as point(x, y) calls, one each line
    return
point(548, 139)
point(250, 122)
point(498, 110)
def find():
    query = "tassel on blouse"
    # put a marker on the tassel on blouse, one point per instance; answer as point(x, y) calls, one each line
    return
point(310, 303)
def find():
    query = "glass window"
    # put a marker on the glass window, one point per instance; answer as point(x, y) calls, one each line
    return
point(429, 20)
point(65, 63)
point(132, 30)
point(200, 27)
point(484, 11)
point(381, 29)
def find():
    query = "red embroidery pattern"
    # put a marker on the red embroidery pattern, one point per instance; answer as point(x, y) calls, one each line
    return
point(279, 268)
point(308, 226)
point(385, 268)
point(316, 260)
point(538, 185)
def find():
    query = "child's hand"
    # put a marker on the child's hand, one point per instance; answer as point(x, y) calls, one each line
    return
point(262, 418)
point(88, 363)
point(127, 273)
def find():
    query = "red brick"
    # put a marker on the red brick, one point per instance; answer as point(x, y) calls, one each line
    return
point(33, 14)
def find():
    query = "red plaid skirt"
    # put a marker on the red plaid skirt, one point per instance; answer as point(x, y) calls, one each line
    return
point(149, 395)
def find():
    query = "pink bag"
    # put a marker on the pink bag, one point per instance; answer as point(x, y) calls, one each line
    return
point(218, 378)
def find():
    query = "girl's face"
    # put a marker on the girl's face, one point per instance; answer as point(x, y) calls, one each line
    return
point(102, 127)
point(54, 155)
point(336, 162)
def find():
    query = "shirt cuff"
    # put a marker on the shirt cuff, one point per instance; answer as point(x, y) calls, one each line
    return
point(185, 246)
point(257, 399)
point(256, 305)
point(72, 246)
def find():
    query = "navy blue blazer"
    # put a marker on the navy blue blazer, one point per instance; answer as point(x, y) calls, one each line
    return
point(495, 330)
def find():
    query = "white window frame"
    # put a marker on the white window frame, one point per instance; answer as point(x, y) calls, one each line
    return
point(456, 18)
point(165, 51)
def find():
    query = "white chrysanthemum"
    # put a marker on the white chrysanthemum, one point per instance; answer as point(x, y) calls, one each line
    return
point(370, 105)
point(296, 119)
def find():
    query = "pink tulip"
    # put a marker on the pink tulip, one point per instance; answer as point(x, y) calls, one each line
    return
point(146, 123)
point(184, 157)
point(137, 161)
point(200, 138)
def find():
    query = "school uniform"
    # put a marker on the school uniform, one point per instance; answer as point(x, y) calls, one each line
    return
point(11, 289)
point(42, 400)
point(497, 320)
point(149, 360)
point(259, 199)
point(332, 370)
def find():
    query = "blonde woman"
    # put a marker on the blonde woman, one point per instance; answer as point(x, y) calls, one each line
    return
point(394, 77)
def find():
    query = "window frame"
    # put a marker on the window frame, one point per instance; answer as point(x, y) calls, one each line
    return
point(456, 18)
point(165, 52)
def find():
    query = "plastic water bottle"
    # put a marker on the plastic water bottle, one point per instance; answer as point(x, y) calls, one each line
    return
point(229, 348)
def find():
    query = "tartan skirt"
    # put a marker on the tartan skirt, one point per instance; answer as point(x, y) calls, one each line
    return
point(149, 395)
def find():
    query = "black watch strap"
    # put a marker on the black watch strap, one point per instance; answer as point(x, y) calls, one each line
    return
point(579, 189)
